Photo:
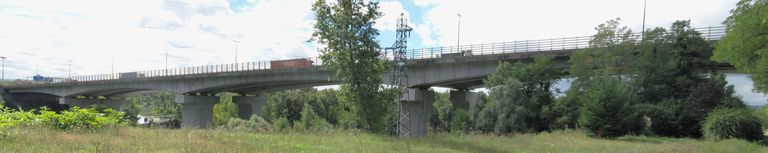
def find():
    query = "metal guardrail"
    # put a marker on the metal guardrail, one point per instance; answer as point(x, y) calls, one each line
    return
point(523, 46)
point(510, 47)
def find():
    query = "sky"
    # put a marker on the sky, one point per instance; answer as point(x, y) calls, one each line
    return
point(102, 36)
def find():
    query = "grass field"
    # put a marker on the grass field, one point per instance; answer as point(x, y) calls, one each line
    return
point(186, 140)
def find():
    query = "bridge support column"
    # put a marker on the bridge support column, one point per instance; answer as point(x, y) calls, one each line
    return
point(115, 104)
point(197, 111)
point(415, 114)
point(249, 105)
point(464, 100)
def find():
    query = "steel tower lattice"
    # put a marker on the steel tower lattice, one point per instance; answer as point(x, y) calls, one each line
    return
point(399, 76)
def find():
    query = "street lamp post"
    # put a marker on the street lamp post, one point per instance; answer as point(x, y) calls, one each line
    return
point(236, 42)
point(69, 69)
point(166, 59)
point(643, 33)
point(458, 35)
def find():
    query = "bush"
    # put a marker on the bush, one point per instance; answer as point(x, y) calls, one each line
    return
point(224, 110)
point(281, 124)
point(440, 117)
point(663, 119)
point(69, 119)
point(607, 109)
point(460, 121)
point(732, 123)
point(255, 123)
point(762, 114)
point(310, 120)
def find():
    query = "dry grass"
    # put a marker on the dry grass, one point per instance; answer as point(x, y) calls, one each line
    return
point(186, 140)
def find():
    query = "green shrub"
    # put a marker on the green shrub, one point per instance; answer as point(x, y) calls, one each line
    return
point(442, 108)
point(732, 123)
point(607, 109)
point(255, 123)
point(762, 114)
point(310, 120)
point(11, 118)
point(281, 124)
point(224, 110)
point(662, 117)
point(460, 121)
point(73, 118)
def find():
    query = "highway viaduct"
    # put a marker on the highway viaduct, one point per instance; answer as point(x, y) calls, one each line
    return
point(461, 69)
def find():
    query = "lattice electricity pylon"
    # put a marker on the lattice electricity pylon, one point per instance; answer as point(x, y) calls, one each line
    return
point(399, 76)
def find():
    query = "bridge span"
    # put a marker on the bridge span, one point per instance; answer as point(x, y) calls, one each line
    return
point(460, 68)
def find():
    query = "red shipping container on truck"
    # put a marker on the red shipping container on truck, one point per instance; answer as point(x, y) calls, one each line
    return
point(291, 63)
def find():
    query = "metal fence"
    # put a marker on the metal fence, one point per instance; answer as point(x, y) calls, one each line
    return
point(510, 47)
point(523, 46)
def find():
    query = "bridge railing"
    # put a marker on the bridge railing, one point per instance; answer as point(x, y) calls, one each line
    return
point(309, 62)
point(523, 46)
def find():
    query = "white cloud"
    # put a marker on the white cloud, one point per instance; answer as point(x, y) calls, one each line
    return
point(743, 87)
point(486, 21)
point(136, 33)
point(391, 11)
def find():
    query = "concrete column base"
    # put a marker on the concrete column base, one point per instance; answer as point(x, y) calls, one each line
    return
point(196, 111)
point(115, 104)
point(464, 100)
point(247, 105)
point(414, 116)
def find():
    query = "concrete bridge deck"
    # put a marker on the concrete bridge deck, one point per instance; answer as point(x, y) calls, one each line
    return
point(461, 68)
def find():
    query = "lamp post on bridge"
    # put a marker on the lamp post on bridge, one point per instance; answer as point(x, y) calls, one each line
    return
point(236, 42)
point(113, 64)
point(69, 68)
point(642, 34)
point(458, 35)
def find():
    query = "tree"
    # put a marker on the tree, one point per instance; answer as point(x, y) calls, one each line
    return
point(607, 109)
point(346, 30)
point(442, 112)
point(610, 53)
point(132, 110)
point(743, 45)
point(160, 104)
point(600, 92)
point(290, 103)
point(310, 120)
point(224, 110)
point(673, 71)
point(521, 97)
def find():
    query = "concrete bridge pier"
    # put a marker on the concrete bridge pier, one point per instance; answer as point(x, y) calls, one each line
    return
point(196, 111)
point(115, 104)
point(249, 105)
point(416, 107)
point(464, 99)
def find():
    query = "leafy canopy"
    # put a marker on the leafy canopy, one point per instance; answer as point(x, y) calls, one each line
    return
point(745, 45)
point(345, 28)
